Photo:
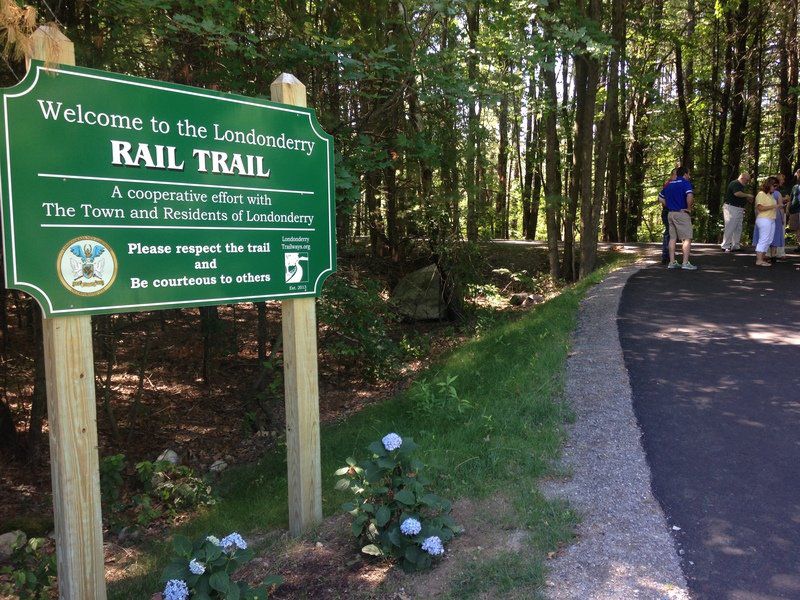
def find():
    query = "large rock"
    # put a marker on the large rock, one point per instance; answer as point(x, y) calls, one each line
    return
point(418, 296)
point(9, 541)
point(218, 467)
point(170, 456)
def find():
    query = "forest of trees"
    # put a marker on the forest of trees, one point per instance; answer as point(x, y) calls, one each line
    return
point(555, 120)
point(470, 119)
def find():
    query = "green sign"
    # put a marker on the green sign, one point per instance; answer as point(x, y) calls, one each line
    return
point(123, 194)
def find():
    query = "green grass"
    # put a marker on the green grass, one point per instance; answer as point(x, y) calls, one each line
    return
point(512, 376)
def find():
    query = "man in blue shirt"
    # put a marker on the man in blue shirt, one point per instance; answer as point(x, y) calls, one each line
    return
point(679, 199)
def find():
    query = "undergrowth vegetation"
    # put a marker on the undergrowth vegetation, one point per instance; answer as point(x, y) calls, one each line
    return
point(508, 433)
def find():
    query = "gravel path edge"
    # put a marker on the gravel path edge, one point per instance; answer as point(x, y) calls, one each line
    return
point(623, 547)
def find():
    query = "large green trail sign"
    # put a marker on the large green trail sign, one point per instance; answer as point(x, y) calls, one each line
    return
point(123, 194)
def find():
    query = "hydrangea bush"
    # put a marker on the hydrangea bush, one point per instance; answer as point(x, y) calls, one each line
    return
point(395, 514)
point(201, 570)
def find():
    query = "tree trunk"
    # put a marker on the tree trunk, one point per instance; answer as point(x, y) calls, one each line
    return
point(576, 177)
point(738, 115)
point(39, 396)
point(472, 156)
point(787, 88)
point(552, 181)
point(501, 198)
point(680, 86)
point(591, 202)
point(527, 184)
point(616, 143)
point(720, 116)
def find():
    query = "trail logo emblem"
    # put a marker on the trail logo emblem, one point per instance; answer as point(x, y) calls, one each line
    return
point(294, 269)
point(86, 266)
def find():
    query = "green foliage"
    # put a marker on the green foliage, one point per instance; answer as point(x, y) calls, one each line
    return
point(111, 480)
point(31, 570)
point(174, 487)
point(438, 395)
point(162, 488)
point(356, 320)
point(111, 483)
point(217, 564)
point(389, 488)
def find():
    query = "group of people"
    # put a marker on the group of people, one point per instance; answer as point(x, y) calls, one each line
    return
point(773, 204)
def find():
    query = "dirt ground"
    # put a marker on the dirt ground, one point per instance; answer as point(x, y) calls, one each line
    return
point(327, 564)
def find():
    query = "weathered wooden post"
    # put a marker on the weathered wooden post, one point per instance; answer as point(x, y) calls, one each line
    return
point(300, 379)
point(72, 419)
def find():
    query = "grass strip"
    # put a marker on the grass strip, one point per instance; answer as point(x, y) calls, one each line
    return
point(511, 379)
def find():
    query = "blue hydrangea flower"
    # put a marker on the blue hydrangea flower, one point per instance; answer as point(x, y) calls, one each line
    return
point(392, 441)
point(214, 540)
point(196, 567)
point(176, 590)
point(433, 546)
point(233, 539)
point(410, 526)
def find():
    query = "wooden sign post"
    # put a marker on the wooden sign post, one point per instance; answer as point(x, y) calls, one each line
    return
point(72, 419)
point(197, 198)
point(301, 384)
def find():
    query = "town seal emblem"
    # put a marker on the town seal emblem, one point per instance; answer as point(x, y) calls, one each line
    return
point(86, 266)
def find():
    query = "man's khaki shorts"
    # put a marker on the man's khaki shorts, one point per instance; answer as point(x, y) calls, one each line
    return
point(680, 225)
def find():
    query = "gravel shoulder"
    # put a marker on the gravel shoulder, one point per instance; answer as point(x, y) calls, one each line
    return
point(623, 547)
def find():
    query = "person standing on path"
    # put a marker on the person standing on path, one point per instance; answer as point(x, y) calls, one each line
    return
point(766, 211)
point(777, 247)
point(679, 198)
point(794, 208)
point(733, 211)
point(665, 220)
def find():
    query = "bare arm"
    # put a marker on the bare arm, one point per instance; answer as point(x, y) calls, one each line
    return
point(689, 201)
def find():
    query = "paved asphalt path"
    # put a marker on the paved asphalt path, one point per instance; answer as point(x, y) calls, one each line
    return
point(714, 362)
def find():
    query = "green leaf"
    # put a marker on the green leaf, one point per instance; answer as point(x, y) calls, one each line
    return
point(372, 550)
point(377, 448)
point(412, 553)
point(431, 500)
point(386, 463)
point(273, 580)
point(182, 546)
point(406, 497)
point(395, 536)
point(233, 592)
point(408, 445)
point(342, 484)
point(348, 506)
point(358, 525)
point(213, 552)
point(382, 516)
point(220, 582)
point(342, 471)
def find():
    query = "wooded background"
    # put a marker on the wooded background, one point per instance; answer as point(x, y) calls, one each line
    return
point(556, 120)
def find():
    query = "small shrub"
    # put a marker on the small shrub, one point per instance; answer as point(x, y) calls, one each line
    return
point(439, 397)
point(358, 321)
point(395, 514)
point(111, 483)
point(202, 569)
point(31, 572)
point(175, 487)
